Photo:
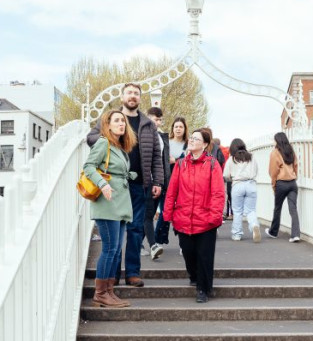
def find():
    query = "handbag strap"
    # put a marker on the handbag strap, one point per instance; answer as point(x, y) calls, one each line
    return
point(106, 165)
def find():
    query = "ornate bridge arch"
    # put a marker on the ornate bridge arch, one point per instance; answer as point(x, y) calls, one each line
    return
point(98, 105)
point(194, 56)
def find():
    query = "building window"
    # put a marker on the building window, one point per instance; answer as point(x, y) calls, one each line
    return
point(34, 151)
point(2, 191)
point(6, 157)
point(34, 131)
point(47, 135)
point(7, 127)
point(39, 134)
point(311, 97)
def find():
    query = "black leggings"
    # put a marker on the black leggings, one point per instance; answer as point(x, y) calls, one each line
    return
point(198, 251)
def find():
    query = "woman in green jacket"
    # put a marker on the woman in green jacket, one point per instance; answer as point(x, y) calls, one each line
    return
point(113, 209)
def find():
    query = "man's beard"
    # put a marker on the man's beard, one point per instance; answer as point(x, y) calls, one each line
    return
point(134, 107)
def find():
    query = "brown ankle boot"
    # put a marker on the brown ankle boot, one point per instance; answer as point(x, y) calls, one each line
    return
point(111, 281)
point(102, 298)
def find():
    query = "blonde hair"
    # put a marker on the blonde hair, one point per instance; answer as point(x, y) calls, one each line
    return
point(126, 141)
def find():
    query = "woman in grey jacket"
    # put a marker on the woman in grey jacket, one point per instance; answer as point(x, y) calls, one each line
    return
point(113, 209)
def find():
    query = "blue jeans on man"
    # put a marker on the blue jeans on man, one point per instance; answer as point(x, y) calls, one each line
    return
point(135, 233)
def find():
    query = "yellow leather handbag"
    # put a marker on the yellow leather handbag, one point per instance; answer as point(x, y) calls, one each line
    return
point(87, 188)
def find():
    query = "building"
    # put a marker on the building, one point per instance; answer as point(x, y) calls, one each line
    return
point(297, 90)
point(22, 133)
point(42, 99)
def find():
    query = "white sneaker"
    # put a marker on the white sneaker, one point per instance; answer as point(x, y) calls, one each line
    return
point(267, 231)
point(144, 252)
point(236, 238)
point(256, 234)
point(156, 251)
point(294, 240)
point(180, 252)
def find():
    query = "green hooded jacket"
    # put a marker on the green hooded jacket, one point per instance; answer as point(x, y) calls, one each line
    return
point(119, 207)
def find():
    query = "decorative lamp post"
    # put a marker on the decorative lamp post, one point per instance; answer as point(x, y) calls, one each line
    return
point(155, 97)
point(194, 8)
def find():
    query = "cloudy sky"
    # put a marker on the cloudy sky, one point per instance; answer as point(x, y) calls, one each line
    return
point(259, 41)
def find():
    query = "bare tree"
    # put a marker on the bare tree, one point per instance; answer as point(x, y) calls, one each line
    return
point(184, 97)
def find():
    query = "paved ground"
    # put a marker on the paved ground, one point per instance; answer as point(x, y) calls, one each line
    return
point(270, 253)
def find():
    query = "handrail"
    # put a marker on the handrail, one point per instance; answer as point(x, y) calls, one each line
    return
point(43, 252)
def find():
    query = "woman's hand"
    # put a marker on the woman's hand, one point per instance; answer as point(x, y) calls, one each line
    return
point(107, 191)
point(172, 160)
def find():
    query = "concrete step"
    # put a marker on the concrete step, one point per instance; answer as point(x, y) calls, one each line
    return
point(262, 292)
point(196, 331)
point(186, 309)
point(223, 288)
point(221, 273)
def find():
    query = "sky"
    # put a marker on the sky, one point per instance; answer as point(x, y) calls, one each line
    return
point(259, 41)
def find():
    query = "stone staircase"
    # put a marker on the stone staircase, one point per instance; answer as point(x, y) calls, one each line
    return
point(248, 303)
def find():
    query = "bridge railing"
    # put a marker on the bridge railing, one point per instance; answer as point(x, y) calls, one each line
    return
point(302, 142)
point(44, 238)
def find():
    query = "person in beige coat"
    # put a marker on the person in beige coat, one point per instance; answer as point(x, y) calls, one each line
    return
point(113, 209)
point(283, 170)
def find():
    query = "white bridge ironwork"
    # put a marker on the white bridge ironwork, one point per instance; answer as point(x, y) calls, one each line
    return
point(194, 56)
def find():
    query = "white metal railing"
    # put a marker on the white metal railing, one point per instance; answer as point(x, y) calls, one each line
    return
point(302, 142)
point(44, 239)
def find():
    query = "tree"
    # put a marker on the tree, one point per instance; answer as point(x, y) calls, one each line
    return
point(184, 97)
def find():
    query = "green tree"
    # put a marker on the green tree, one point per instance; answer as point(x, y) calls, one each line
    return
point(184, 97)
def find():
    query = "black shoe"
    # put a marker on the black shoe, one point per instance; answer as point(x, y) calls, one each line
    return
point(201, 297)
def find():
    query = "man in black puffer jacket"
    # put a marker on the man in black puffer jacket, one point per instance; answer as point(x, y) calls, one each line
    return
point(146, 161)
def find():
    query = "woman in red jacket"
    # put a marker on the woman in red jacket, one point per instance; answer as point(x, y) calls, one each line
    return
point(194, 204)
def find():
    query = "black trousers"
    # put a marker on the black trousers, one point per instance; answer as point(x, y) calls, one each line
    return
point(150, 210)
point(198, 251)
point(283, 190)
point(229, 210)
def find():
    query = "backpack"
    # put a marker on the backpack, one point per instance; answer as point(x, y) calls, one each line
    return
point(180, 161)
point(218, 155)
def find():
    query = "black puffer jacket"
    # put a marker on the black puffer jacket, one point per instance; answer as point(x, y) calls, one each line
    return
point(149, 146)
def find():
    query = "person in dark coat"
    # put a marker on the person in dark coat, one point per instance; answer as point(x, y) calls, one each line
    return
point(156, 115)
point(145, 160)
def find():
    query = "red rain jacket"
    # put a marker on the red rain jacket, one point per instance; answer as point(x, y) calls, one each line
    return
point(195, 197)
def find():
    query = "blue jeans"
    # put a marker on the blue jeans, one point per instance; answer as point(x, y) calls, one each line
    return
point(112, 233)
point(135, 231)
point(244, 196)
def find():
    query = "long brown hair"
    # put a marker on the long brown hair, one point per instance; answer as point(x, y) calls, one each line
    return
point(183, 121)
point(284, 147)
point(238, 151)
point(126, 141)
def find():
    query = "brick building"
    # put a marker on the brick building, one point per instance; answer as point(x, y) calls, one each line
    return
point(306, 79)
